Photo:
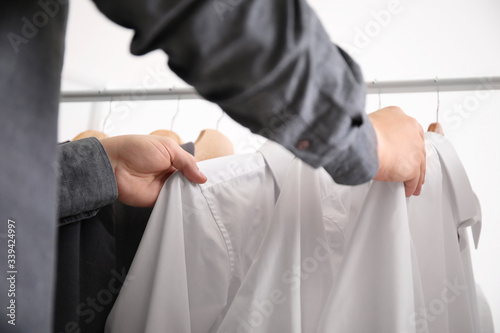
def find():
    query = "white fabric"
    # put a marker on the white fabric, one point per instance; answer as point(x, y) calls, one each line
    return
point(269, 244)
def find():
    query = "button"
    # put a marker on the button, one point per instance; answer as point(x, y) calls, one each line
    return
point(303, 144)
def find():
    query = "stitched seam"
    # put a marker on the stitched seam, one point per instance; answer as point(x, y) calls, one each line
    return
point(223, 231)
point(336, 225)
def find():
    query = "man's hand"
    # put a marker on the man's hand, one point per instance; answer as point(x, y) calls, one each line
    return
point(401, 148)
point(142, 163)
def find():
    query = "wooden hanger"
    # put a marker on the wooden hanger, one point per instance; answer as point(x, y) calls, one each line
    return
point(170, 134)
point(436, 127)
point(212, 143)
point(90, 133)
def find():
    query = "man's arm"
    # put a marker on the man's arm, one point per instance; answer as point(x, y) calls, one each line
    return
point(271, 66)
point(132, 168)
point(86, 180)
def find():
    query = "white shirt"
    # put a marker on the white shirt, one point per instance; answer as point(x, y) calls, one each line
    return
point(270, 244)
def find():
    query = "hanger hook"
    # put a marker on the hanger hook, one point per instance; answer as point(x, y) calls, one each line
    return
point(218, 121)
point(110, 109)
point(438, 99)
point(374, 82)
point(176, 112)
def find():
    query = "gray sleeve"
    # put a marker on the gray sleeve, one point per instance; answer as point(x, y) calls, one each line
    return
point(86, 180)
point(271, 66)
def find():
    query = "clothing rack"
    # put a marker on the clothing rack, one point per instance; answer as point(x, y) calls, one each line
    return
point(383, 87)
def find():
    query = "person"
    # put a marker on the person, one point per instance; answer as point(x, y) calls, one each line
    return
point(268, 64)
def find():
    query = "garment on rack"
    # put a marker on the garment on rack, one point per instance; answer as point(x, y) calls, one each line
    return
point(95, 248)
point(270, 244)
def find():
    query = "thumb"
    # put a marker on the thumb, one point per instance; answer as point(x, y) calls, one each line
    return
point(185, 163)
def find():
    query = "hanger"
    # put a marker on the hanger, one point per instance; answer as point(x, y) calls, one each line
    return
point(374, 82)
point(90, 133)
point(212, 143)
point(93, 133)
point(169, 133)
point(436, 127)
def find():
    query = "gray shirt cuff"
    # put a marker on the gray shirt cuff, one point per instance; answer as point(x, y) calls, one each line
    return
point(86, 180)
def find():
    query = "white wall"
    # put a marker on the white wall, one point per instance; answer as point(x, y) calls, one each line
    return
point(420, 39)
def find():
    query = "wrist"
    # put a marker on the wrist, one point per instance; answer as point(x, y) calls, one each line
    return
point(108, 146)
point(380, 146)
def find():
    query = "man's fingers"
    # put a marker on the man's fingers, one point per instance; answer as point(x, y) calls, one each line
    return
point(411, 186)
point(423, 168)
point(401, 148)
point(418, 189)
point(185, 163)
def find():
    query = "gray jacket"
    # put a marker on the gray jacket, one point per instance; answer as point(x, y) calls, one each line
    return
point(268, 63)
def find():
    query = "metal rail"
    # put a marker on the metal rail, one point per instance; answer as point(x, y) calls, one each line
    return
point(383, 87)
